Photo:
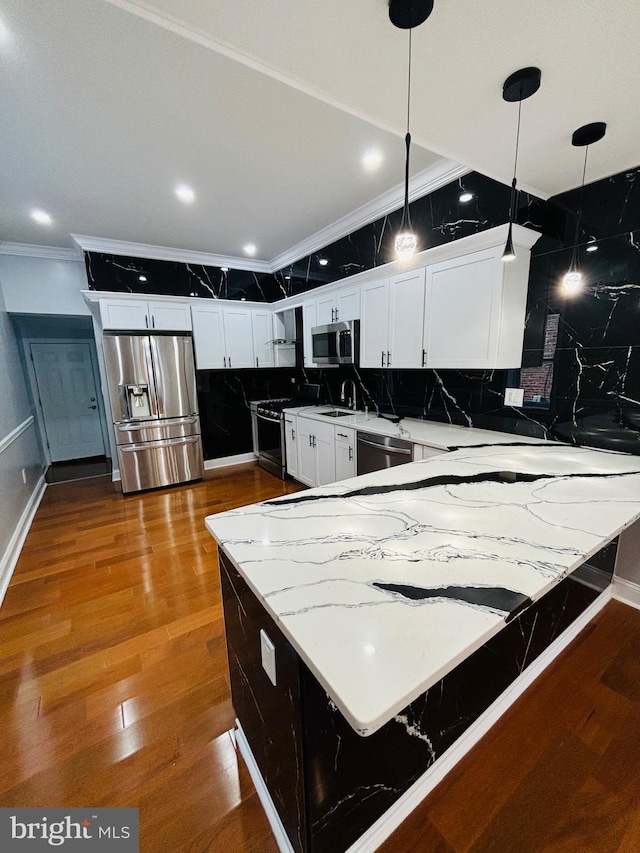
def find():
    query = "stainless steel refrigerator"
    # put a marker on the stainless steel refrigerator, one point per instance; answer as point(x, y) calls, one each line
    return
point(152, 388)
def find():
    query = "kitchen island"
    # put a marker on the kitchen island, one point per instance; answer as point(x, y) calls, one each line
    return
point(393, 609)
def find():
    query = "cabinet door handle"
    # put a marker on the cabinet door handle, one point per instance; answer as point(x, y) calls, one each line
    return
point(225, 361)
point(146, 321)
point(153, 321)
point(293, 435)
point(257, 365)
point(310, 445)
point(388, 359)
point(337, 314)
point(229, 361)
point(382, 360)
point(424, 356)
point(342, 435)
point(350, 453)
point(314, 441)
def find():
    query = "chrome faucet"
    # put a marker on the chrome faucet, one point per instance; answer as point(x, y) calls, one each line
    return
point(352, 400)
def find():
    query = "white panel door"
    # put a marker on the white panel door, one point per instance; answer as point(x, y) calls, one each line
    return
point(170, 316)
point(130, 314)
point(238, 335)
point(306, 452)
point(345, 453)
point(406, 317)
point(263, 348)
point(326, 309)
point(462, 311)
point(374, 325)
point(68, 400)
point(308, 322)
point(291, 444)
point(348, 304)
point(208, 336)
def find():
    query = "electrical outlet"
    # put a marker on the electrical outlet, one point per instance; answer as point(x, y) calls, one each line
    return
point(24, 476)
point(513, 396)
point(268, 656)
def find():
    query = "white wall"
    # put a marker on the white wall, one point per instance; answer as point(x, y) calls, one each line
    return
point(19, 451)
point(38, 285)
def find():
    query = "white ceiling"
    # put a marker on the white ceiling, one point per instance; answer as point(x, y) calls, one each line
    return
point(266, 108)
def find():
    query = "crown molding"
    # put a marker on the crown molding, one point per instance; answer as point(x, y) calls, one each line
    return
point(33, 251)
point(165, 253)
point(427, 181)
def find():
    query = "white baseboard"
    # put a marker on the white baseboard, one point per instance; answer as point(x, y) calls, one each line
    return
point(115, 475)
point(225, 461)
point(284, 845)
point(13, 549)
point(627, 592)
point(402, 808)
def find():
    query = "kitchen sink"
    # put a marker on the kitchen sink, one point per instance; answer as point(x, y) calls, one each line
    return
point(335, 414)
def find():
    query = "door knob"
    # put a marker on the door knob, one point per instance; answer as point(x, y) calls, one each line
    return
point(92, 407)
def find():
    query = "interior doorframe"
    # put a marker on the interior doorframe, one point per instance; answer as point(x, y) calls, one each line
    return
point(33, 383)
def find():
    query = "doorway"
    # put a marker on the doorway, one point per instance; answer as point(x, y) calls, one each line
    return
point(64, 381)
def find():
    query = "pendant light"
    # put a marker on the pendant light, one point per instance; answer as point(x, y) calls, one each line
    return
point(517, 87)
point(407, 14)
point(582, 137)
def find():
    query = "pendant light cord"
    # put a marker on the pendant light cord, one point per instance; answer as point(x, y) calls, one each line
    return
point(406, 218)
point(574, 256)
point(512, 203)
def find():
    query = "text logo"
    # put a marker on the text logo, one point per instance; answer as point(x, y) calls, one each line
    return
point(32, 829)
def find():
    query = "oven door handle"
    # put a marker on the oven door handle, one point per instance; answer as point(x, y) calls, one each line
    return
point(268, 420)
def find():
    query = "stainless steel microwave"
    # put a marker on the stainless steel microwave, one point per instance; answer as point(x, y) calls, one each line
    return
point(337, 343)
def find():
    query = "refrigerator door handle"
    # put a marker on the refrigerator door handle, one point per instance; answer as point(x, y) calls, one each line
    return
point(156, 402)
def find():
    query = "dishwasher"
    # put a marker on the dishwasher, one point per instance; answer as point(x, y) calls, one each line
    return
point(377, 452)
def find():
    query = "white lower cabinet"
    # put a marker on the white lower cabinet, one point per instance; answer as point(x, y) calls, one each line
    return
point(316, 453)
point(291, 444)
point(345, 452)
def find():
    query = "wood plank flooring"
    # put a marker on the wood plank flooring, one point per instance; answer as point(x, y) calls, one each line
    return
point(113, 691)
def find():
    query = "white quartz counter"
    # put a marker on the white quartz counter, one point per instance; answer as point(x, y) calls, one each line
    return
point(384, 583)
point(429, 433)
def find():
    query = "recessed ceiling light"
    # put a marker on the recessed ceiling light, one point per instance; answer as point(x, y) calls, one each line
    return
point(287, 278)
point(250, 249)
point(323, 262)
point(592, 248)
point(42, 217)
point(224, 269)
point(465, 197)
point(372, 159)
point(185, 193)
point(142, 278)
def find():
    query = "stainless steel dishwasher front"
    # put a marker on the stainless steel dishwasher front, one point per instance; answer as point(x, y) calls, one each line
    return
point(376, 452)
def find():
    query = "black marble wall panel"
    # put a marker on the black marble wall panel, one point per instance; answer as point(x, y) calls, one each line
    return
point(592, 385)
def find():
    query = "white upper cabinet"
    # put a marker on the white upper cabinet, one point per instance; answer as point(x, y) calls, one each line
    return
point(142, 315)
point(338, 306)
point(392, 316)
point(474, 311)
point(374, 325)
point(263, 336)
point(208, 336)
point(238, 333)
point(308, 322)
point(406, 309)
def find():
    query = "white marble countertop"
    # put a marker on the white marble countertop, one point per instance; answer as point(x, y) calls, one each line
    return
point(384, 583)
point(430, 433)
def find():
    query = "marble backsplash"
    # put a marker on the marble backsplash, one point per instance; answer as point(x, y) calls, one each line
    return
point(584, 382)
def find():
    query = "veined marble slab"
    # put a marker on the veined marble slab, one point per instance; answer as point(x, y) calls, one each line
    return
point(386, 582)
point(430, 433)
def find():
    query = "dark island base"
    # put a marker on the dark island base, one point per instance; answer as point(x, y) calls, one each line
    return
point(327, 783)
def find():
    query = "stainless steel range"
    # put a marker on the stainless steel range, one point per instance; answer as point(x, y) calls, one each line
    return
point(267, 424)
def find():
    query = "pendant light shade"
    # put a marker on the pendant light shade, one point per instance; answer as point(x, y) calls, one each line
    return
point(407, 14)
point(572, 281)
point(517, 87)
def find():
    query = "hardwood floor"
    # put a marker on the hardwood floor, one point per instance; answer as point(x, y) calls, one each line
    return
point(113, 691)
